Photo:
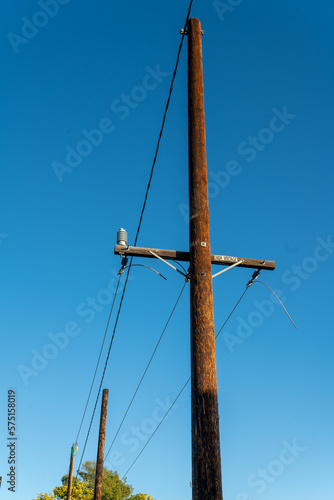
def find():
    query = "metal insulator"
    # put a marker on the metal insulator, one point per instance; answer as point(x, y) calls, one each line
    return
point(122, 237)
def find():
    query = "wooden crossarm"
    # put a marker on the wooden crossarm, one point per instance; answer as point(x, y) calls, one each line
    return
point(224, 260)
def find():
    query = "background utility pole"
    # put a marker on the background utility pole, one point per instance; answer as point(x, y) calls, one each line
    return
point(100, 448)
point(70, 476)
point(206, 462)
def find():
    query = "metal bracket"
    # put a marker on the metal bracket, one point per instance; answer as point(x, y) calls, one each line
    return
point(255, 276)
point(185, 32)
point(227, 268)
point(168, 264)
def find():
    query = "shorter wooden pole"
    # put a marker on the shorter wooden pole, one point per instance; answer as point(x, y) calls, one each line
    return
point(100, 448)
point(70, 476)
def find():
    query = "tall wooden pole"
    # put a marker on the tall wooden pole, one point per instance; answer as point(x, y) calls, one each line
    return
point(206, 462)
point(70, 475)
point(100, 448)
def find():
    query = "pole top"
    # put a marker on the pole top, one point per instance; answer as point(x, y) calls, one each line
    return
point(193, 21)
point(74, 449)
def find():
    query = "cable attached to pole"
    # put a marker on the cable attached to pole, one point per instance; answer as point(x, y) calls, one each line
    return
point(234, 308)
point(250, 282)
point(99, 358)
point(167, 412)
point(179, 394)
point(163, 122)
point(141, 217)
point(145, 371)
point(105, 366)
point(279, 300)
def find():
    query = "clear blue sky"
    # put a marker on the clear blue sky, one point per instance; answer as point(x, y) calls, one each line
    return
point(269, 79)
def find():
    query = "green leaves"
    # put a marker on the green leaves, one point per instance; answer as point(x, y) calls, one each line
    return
point(113, 488)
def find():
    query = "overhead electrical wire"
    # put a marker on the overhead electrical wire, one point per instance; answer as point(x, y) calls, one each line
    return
point(279, 300)
point(234, 308)
point(177, 262)
point(145, 371)
point(181, 391)
point(250, 282)
point(140, 219)
point(98, 361)
point(163, 121)
point(105, 366)
point(155, 430)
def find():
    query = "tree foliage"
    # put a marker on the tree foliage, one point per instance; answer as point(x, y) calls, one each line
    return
point(113, 488)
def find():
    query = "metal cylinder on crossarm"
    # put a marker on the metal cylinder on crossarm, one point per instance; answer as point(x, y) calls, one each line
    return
point(206, 461)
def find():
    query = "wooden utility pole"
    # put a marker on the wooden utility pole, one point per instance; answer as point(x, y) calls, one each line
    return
point(206, 461)
point(70, 475)
point(100, 448)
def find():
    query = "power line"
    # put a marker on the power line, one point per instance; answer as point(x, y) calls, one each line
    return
point(104, 370)
point(145, 371)
point(234, 308)
point(171, 406)
point(183, 388)
point(140, 219)
point(250, 282)
point(279, 300)
point(98, 361)
point(163, 122)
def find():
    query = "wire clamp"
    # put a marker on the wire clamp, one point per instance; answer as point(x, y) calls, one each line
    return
point(254, 277)
point(124, 262)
